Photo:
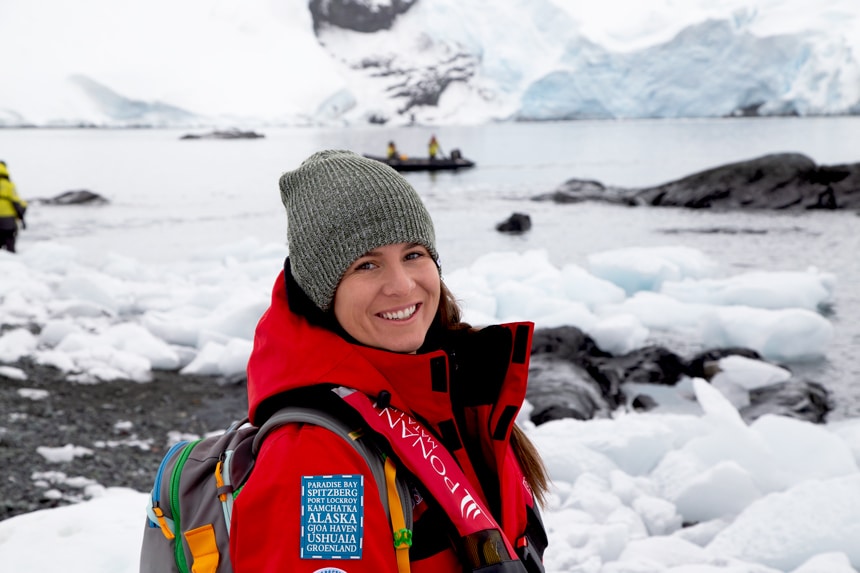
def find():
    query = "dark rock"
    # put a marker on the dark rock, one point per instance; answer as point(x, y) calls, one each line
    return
point(367, 17)
point(560, 383)
point(78, 197)
point(403, 79)
point(423, 86)
point(643, 403)
point(561, 389)
point(565, 342)
point(555, 412)
point(751, 110)
point(776, 181)
point(579, 190)
point(716, 231)
point(571, 377)
point(773, 181)
point(826, 200)
point(698, 367)
point(647, 365)
point(225, 134)
point(801, 399)
point(516, 223)
point(86, 415)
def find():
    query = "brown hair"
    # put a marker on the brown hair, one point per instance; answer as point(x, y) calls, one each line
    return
point(449, 318)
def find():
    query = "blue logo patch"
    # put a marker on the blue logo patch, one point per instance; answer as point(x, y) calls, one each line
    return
point(332, 517)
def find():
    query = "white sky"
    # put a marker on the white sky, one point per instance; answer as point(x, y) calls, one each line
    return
point(259, 56)
point(622, 487)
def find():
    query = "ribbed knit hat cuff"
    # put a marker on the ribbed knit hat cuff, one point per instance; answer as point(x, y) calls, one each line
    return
point(340, 206)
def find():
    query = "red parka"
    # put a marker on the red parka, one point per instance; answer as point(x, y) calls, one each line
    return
point(468, 395)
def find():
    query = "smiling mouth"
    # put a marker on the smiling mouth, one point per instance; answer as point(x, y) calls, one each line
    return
point(403, 314)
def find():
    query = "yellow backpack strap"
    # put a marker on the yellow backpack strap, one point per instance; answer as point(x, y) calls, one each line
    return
point(402, 535)
point(157, 516)
point(204, 549)
point(366, 448)
point(393, 492)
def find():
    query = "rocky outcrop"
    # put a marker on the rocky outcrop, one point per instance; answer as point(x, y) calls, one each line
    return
point(366, 17)
point(783, 181)
point(88, 415)
point(780, 181)
point(516, 223)
point(411, 76)
point(570, 377)
point(77, 197)
point(224, 134)
point(413, 86)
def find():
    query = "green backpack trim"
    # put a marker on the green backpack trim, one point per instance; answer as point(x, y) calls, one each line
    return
point(175, 507)
point(185, 495)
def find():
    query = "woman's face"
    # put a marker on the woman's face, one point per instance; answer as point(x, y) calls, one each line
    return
point(389, 296)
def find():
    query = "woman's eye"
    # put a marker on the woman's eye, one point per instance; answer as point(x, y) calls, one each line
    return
point(414, 255)
point(365, 266)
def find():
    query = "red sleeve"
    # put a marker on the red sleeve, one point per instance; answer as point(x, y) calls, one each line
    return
point(297, 512)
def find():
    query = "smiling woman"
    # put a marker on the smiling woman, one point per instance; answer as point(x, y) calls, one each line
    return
point(362, 327)
point(388, 298)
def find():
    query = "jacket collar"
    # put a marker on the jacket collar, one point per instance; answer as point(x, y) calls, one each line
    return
point(291, 352)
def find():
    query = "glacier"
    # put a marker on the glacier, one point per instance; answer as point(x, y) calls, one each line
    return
point(99, 63)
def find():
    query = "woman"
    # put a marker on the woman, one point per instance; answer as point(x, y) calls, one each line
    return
point(362, 325)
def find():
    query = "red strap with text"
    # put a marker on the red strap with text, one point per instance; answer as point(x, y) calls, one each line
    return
point(425, 457)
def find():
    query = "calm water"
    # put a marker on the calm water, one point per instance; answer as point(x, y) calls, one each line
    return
point(172, 198)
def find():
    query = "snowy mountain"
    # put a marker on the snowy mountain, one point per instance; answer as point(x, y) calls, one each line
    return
point(298, 62)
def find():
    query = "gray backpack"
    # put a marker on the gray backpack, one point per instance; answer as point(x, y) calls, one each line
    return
point(188, 518)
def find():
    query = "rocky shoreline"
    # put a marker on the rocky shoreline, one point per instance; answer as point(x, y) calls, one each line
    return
point(779, 181)
point(115, 433)
point(125, 424)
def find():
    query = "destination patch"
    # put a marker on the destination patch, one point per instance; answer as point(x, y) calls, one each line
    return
point(332, 517)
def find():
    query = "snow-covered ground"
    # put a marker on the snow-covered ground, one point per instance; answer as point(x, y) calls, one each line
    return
point(686, 488)
point(119, 318)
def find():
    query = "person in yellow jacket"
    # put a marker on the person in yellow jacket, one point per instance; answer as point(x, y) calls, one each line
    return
point(391, 152)
point(12, 210)
point(433, 148)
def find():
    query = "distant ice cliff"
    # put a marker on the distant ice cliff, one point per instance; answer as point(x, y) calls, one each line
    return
point(433, 62)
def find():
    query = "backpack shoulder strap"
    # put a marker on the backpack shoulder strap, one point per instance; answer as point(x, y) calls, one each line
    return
point(367, 448)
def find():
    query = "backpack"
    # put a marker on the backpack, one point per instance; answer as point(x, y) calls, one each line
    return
point(191, 503)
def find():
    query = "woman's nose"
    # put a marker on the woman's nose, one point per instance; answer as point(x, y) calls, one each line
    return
point(398, 281)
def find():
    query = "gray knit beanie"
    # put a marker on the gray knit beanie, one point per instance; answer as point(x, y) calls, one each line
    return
point(340, 206)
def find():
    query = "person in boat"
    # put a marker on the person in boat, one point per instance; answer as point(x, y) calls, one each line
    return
point(362, 324)
point(12, 209)
point(433, 148)
point(391, 152)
